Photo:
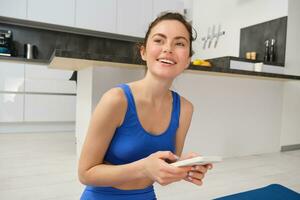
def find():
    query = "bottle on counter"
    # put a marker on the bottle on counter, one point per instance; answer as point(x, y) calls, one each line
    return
point(272, 50)
point(267, 51)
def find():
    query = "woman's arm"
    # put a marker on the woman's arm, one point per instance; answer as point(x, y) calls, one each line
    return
point(186, 113)
point(108, 115)
point(197, 173)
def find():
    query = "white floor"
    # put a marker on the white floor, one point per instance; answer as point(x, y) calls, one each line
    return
point(43, 167)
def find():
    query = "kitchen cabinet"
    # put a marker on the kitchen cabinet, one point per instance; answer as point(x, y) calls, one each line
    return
point(54, 11)
point(96, 15)
point(11, 77)
point(39, 78)
point(13, 8)
point(167, 5)
point(133, 17)
point(33, 93)
point(11, 107)
point(49, 108)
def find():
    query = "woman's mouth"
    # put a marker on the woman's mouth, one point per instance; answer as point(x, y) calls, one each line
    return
point(166, 61)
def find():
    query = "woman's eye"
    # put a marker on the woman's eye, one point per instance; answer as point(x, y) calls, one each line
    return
point(180, 44)
point(157, 40)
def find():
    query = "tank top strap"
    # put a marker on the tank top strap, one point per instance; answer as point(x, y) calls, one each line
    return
point(176, 108)
point(127, 91)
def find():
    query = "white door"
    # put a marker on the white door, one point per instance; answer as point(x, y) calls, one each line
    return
point(13, 8)
point(167, 5)
point(60, 12)
point(133, 17)
point(99, 15)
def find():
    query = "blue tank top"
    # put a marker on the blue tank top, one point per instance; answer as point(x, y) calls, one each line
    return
point(132, 142)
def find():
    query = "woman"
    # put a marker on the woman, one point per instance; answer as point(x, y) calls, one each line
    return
point(139, 127)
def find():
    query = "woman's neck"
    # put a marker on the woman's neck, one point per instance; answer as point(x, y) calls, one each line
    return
point(153, 89)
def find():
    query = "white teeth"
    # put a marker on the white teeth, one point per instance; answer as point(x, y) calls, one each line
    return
point(166, 61)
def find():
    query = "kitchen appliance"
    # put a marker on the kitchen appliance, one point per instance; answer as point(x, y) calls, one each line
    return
point(6, 42)
point(30, 51)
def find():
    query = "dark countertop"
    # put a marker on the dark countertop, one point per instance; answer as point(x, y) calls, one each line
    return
point(129, 61)
point(70, 56)
point(225, 61)
point(245, 72)
point(21, 59)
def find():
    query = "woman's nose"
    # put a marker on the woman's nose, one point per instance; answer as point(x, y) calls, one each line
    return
point(167, 49)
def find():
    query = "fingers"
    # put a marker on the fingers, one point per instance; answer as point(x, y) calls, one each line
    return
point(167, 155)
point(209, 166)
point(200, 168)
point(166, 177)
point(197, 174)
point(193, 180)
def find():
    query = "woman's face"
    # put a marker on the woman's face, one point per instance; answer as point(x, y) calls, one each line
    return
point(167, 49)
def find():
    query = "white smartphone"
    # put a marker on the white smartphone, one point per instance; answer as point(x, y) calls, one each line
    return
point(199, 160)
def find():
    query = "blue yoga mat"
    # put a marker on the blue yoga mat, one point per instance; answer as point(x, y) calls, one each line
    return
point(272, 192)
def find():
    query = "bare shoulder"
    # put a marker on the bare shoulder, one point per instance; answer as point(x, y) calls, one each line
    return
point(114, 97)
point(186, 106)
point(113, 103)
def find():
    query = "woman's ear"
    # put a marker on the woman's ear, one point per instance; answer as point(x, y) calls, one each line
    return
point(143, 53)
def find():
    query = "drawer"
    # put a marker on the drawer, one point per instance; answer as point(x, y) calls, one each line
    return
point(11, 107)
point(49, 108)
point(11, 76)
point(39, 78)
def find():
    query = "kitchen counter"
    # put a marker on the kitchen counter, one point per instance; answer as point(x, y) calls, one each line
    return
point(21, 59)
point(249, 97)
point(70, 60)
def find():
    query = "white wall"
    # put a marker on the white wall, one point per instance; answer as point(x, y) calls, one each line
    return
point(232, 15)
point(291, 99)
point(292, 61)
point(233, 116)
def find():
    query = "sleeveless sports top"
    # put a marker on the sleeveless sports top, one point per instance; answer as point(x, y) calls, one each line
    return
point(132, 142)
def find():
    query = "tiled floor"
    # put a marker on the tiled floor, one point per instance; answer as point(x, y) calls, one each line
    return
point(43, 167)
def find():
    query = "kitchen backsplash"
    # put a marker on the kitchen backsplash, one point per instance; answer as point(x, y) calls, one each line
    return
point(253, 38)
point(71, 39)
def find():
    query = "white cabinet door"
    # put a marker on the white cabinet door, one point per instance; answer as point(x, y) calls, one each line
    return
point(133, 17)
point(39, 78)
point(55, 108)
point(97, 15)
point(54, 11)
point(11, 76)
point(11, 107)
point(167, 5)
point(13, 8)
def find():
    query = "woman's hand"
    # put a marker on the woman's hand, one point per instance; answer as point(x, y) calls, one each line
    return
point(157, 169)
point(197, 173)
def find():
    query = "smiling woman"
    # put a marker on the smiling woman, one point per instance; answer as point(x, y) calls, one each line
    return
point(123, 139)
point(167, 49)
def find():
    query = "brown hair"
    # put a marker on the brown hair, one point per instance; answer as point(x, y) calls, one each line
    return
point(171, 16)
